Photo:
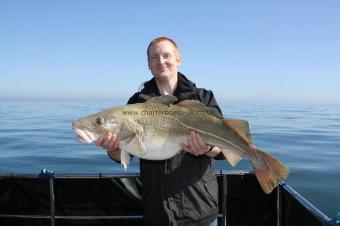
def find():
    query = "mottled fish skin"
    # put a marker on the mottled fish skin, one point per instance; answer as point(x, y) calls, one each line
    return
point(162, 125)
point(155, 130)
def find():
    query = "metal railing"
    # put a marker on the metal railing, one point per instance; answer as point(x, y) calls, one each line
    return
point(223, 218)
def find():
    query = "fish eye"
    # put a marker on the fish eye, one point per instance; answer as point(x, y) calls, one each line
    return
point(100, 121)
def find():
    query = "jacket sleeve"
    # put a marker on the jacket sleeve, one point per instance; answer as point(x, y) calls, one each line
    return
point(133, 99)
point(208, 98)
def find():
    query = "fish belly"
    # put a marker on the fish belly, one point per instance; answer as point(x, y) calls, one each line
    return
point(157, 147)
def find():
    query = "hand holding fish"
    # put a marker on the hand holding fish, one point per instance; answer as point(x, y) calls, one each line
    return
point(111, 143)
point(196, 145)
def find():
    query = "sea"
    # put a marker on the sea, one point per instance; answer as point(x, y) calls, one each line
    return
point(37, 135)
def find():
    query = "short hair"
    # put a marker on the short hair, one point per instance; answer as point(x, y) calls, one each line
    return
point(162, 39)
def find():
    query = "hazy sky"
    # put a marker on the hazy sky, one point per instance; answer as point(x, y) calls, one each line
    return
point(242, 50)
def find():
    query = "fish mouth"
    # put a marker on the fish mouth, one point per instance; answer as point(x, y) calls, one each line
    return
point(85, 135)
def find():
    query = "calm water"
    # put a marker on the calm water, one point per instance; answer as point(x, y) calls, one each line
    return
point(36, 135)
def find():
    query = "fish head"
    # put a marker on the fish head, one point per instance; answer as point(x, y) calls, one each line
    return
point(91, 127)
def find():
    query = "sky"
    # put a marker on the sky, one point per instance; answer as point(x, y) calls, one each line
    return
point(245, 51)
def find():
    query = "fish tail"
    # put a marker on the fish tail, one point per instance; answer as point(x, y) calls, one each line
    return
point(269, 171)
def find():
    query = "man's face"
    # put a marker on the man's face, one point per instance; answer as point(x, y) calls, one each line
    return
point(163, 60)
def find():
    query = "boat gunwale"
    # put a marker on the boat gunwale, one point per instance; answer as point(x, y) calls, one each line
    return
point(314, 211)
point(103, 175)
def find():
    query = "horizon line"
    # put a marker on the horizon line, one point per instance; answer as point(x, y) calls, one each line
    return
point(220, 99)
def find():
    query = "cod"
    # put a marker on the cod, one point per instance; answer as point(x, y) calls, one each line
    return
point(155, 130)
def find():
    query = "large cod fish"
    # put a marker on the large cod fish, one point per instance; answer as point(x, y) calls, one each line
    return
point(155, 130)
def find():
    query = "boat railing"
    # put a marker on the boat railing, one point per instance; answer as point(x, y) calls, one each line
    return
point(71, 199)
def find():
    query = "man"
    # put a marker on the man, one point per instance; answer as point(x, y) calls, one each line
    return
point(181, 190)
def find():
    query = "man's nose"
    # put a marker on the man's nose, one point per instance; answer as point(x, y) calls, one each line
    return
point(161, 60)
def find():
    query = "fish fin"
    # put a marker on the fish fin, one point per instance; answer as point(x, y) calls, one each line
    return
point(165, 99)
point(232, 156)
point(145, 97)
point(131, 186)
point(138, 140)
point(241, 127)
point(270, 172)
point(125, 159)
point(199, 106)
point(134, 133)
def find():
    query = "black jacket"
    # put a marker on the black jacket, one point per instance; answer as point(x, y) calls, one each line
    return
point(181, 190)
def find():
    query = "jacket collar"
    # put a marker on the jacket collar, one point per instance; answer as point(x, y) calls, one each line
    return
point(185, 88)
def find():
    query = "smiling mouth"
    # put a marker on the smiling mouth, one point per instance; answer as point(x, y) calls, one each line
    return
point(161, 71)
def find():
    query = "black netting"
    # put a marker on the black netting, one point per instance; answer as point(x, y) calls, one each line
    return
point(115, 201)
